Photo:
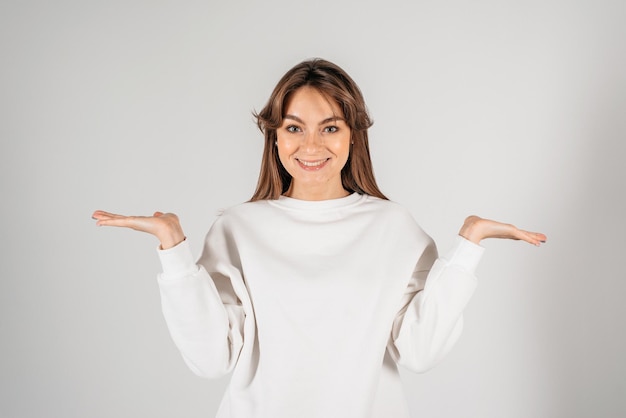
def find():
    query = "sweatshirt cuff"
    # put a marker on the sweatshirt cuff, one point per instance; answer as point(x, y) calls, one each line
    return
point(177, 261)
point(464, 254)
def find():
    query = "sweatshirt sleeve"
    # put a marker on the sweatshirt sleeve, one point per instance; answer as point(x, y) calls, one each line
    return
point(430, 320)
point(203, 304)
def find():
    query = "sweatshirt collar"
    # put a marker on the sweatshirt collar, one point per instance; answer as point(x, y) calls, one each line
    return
point(314, 205)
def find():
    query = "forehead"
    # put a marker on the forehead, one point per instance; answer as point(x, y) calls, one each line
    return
point(308, 100)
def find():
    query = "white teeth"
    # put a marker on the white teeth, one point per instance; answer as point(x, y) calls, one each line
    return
point(312, 163)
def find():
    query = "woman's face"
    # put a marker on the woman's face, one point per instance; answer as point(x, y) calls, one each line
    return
point(313, 145)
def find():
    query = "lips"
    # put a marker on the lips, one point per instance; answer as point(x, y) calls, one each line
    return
point(312, 164)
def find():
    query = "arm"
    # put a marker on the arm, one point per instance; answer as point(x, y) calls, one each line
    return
point(203, 312)
point(431, 321)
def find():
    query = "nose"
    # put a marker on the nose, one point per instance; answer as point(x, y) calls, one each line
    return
point(312, 141)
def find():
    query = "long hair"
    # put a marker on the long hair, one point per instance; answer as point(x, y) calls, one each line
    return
point(330, 80)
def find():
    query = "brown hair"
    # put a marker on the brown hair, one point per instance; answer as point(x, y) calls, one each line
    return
point(330, 80)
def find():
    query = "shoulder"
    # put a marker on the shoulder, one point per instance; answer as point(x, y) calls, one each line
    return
point(243, 210)
point(396, 216)
point(384, 205)
point(243, 215)
point(389, 208)
point(232, 221)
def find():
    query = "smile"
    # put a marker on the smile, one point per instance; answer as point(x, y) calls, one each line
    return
point(312, 165)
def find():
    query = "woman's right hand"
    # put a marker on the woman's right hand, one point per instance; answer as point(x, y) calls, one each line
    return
point(164, 226)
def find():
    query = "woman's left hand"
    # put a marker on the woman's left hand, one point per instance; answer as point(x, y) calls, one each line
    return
point(476, 229)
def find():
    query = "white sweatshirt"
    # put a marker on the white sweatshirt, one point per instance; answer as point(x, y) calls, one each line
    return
point(311, 304)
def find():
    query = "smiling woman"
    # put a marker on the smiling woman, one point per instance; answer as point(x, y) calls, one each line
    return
point(313, 146)
point(317, 288)
point(322, 87)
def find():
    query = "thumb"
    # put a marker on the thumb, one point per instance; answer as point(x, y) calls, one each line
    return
point(157, 214)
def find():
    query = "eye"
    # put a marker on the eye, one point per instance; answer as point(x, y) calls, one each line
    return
point(292, 129)
point(331, 129)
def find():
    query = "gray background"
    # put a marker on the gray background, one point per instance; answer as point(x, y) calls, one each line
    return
point(513, 110)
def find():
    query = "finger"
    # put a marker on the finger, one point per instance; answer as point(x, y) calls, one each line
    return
point(534, 238)
point(100, 214)
point(122, 221)
point(157, 214)
point(540, 237)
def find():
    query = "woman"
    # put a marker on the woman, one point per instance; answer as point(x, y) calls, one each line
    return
point(313, 291)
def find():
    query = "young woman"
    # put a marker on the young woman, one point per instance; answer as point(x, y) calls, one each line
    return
point(313, 291)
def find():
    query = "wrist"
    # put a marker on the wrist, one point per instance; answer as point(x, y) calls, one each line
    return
point(171, 242)
point(171, 237)
point(169, 233)
point(471, 230)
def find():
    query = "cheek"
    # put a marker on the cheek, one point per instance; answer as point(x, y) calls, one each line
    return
point(285, 148)
point(341, 147)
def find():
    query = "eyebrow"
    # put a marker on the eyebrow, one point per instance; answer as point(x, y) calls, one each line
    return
point(330, 119)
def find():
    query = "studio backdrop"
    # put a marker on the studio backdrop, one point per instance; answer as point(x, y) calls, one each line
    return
point(509, 110)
